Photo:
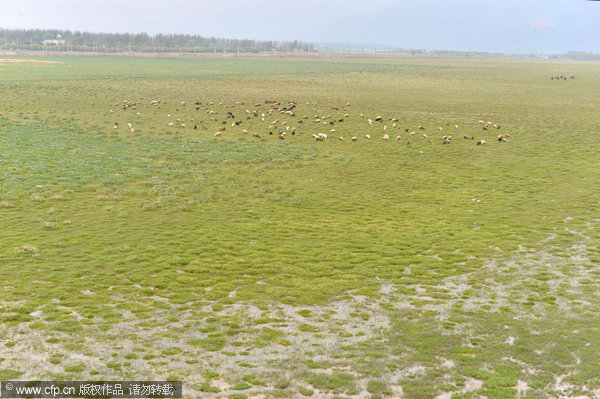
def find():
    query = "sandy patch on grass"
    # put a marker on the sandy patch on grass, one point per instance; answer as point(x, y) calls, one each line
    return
point(26, 61)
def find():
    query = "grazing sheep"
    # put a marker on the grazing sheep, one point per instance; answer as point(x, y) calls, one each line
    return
point(421, 128)
point(341, 138)
point(354, 138)
point(425, 136)
point(217, 134)
point(386, 137)
point(507, 135)
point(367, 137)
point(431, 142)
point(480, 142)
point(183, 103)
point(398, 138)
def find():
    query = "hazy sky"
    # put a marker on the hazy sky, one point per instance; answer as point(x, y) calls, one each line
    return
point(497, 25)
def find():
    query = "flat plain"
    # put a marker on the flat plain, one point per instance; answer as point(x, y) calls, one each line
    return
point(137, 244)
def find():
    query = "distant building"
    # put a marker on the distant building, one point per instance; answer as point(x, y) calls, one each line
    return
point(53, 42)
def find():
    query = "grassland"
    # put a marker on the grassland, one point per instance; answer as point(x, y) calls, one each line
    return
point(295, 268)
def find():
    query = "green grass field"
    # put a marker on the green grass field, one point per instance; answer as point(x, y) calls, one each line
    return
point(251, 268)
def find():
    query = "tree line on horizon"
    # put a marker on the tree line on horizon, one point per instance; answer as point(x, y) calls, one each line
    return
point(66, 40)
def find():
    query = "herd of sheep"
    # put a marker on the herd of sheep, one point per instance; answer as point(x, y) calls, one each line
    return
point(279, 118)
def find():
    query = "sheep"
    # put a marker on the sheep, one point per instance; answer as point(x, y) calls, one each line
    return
point(500, 137)
point(386, 137)
point(430, 142)
point(354, 138)
point(245, 131)
point(398, 138)
point(425, 136)
point(217, 134)
point(367, 137)
point(258, 136)
point(413, 133)
point(282, 136)
point(341, 138)
point(421, 128)
point(507, 135)
point(379, 119)
point(441, 129)
point(480, 142)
